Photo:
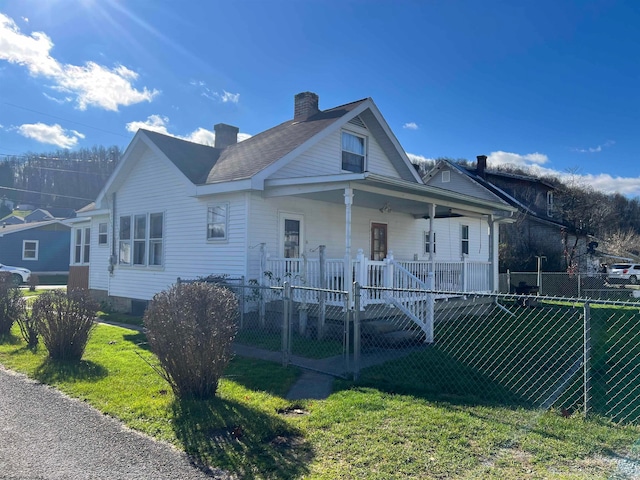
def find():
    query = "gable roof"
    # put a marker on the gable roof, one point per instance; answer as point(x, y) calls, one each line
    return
point(192, 159)
point(245, 159)
point(9, 229)
point(472, 173)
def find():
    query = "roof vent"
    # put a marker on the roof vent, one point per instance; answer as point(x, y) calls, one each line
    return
point(226, 135)
point(357, 121)
point(306, 105)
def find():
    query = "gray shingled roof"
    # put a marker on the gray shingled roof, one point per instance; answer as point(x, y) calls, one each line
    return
point(205, 164)
point(193, 159)
point(247, 158)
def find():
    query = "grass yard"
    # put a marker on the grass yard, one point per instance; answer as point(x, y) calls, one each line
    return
point(371, 431)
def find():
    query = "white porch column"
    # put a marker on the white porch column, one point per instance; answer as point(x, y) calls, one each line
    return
point(494, 253)
point(348, 273)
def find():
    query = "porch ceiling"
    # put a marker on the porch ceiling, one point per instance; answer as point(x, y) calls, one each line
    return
point(394, 196)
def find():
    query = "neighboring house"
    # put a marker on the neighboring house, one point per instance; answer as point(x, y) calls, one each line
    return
point(329, 183)
point(536, 230)
point(38, 215)
point(12, 220)
point(42, 247)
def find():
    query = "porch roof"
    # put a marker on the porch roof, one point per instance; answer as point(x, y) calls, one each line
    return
point(388, 194)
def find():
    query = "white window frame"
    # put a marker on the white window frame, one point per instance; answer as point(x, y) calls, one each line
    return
point(549, 204)
point(364, 147)
point(140, 260)
point(36, 251)
point(103, 237)
point(126, 246)
point(81, 245)
point(446, 176)
point(464, 239)
point(211, 224)
point(427, 243)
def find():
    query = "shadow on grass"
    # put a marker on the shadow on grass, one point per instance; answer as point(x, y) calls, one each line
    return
point(261, 375)
point(9, 339)
point(52, 371)
point(235, 437)
point(138, 339)
point(433, 375)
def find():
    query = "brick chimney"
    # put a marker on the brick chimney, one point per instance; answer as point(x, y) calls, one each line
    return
point(481, 165)
point(225, 135)
point(306, 104)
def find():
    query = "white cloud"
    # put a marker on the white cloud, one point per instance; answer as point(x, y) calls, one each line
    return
point(595, 149)
point(158, 123)
point(419, 158)
point(91, 84)
point(51, 134)
point(529, 159)
point(411, 126)
point(230, 97)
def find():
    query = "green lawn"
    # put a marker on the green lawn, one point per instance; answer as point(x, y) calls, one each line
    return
point(360, 431)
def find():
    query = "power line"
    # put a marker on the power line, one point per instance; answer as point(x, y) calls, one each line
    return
point(44, 193)
point(65, 119)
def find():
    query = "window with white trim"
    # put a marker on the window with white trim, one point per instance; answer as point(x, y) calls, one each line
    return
point(353, 152)
point(81, 245)
point(550, 204)
point(464, 239)
point(141, 240)
point(30, 249)
point(428, 242)
point(217, 221)
point(102, 234)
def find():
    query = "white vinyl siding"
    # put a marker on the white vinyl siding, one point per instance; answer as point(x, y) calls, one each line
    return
point(325, 158)
point(154, 185)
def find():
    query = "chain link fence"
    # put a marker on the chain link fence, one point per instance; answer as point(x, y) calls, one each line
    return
point(533, 351)
point(572, 285)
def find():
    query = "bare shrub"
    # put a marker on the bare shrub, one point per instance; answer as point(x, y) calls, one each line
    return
point(34, 281)
point(28, 329)
point(190, 329)
point(12, 303)
point(64, 321)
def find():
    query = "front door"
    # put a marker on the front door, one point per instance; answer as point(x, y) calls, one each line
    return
point(378, 241)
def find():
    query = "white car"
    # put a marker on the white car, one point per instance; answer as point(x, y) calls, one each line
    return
point(18, 274)
point(624, 272)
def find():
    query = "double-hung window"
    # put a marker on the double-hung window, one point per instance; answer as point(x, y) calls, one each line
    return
point(550, 204)
point(141, 239)
point(429, 243)
point(30, 249)
point(102, 234)
point(353, 152)
point(217, 216)
point(82, 246)
point(464, 239)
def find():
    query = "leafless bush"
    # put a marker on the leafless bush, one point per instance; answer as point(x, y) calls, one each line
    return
point(64, 321)
point(12, 304)
point(28, 329)
point(190, 329)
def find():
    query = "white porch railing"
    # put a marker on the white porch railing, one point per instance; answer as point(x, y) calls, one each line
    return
point(328, 274)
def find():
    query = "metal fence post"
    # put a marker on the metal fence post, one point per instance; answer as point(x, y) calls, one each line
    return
point(356, 332)
point(286, 323)
point(587, 358)
point(347, 327)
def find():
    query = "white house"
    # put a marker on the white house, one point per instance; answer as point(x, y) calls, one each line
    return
point(330, 182)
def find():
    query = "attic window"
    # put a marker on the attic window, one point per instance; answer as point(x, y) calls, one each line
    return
point(446, 176)
point(357, 121)
point(353, 152)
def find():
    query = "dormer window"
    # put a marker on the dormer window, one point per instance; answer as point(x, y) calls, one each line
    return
point(353, 152)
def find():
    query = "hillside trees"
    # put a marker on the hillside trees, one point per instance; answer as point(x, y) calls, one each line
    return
point(67, 179)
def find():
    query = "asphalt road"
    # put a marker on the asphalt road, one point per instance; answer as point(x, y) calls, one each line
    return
point(45, 435)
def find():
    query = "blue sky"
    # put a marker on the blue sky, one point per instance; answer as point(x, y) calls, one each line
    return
point(553, 85)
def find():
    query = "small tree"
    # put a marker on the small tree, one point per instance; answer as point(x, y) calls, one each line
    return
point(29, 330)
point(12, 304)
point(64, 321)
point(190, 328)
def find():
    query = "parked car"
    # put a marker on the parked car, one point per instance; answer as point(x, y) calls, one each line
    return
point(18, 274)
point(624, 272)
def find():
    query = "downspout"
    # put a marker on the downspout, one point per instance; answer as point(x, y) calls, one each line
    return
point(432, 234)
point(348, 280)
